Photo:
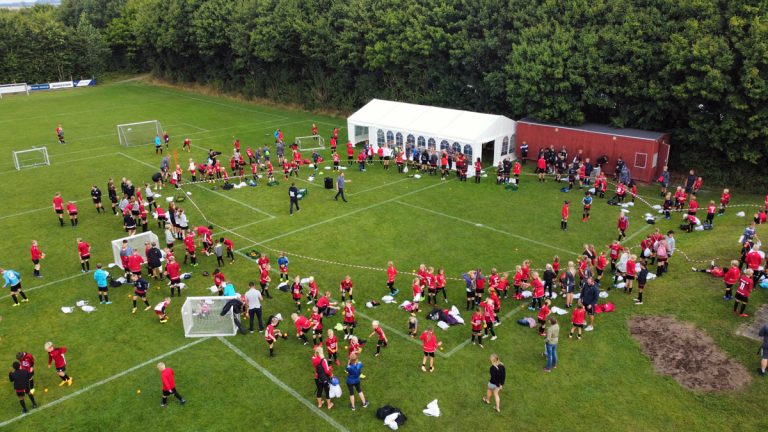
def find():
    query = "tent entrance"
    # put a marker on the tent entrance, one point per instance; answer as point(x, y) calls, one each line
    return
point(486, 153)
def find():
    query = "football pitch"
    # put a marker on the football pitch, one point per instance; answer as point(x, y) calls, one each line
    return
point(603, 381)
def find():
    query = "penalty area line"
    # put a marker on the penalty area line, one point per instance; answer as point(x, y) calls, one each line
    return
point(100, 383)
point(317, 411)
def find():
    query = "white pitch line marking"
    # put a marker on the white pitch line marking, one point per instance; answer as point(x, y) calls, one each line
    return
point(320, 413)
point(99, 383)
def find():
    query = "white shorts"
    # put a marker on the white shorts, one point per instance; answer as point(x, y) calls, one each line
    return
point(417, 298)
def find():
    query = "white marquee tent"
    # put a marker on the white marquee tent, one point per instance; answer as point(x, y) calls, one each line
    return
point(397, 124)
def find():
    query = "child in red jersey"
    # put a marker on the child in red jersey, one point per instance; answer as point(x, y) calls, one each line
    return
point(349, 323)
point(332, 345)
point(746, 284)
point(27, 363)
point(730, 278)
point(56, 356)
point(478, 170)
point(578, 321)
point(169, 385)
point(417, 293)
point(477, 322)
point(272, 333)
point(84, 250)
point(382, 341)
point(725, 199)
point(303, 324)
point(711, 210)
point(622, 225)
point(564, 216)
point(391, 273)
point(542, 317)
point(72, 212)
point(345, 287)
point(37, 255)
point(429, 346)
point(630, 274)
point(296, 290)
point(317, 326)
point(489, 316)
point(160, 310)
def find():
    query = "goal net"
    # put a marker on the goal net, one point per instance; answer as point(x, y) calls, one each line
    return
point(202, 317)
point(31, 158)
point(137, 242)
point(314, 142)
point(13, 88)
point(141, 133)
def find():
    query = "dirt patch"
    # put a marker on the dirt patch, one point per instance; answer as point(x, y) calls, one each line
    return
point(687, 354)
point(752, 329)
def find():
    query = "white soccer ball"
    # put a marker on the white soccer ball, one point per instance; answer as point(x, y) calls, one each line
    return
point(189, 193)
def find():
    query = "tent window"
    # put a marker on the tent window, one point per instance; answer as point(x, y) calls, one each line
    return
point(456, 147)
point(444, 145)
point(390, 138)
point(421, 142)
point(512, 144)
point(505, 146)
point(411, 140)
point(431, 144)
point(380, 138)
point(468, 151)
point(399, 139)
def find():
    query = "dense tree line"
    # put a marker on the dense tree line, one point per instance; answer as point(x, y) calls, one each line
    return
point(696, 68)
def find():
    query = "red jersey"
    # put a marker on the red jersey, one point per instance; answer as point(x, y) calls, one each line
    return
point(349, 314)
point(36, 253)
point(693, 205)
point(135, 262)
point(538, 288)
point(503, 284)
point(745, 286)
point(27, 362)
point(488, 312)
point(753, 260)
point(174, 270)
point(440, 280)
point(623, 223)
point(269, 334)
point(249, 153)
point(615, 250)
point(263, 261)
point(336, 158)
point(478, 168)
point(391, 273)
point(332, 343)
point(556, 266)
point(601, 262)
point(354, 348)
point(725, 199)
point(71, 208)
point(313, 289)
point(444, 161)
point(518, 279)
point(84, 249)
point(323, 302)
point(732, 275)
point(526, 271)
point(228, 243)
point(189, 243)
point(380, 333)
point(219, 279)
point(711, 209)
point(296, 291)
point(302, 323)
point(564, 211)
point(477, 321)
point(631, 269)
point(345, 285)
point(541, 164)
point(58, 203)
point(57, 357)
point(578, 316)
point(493, 281)
point(543, 312)
point(166, 376)
point(317, 321)
point(264, 276)
point(429, 341)
point(416, 289)
point(697, 184)
point(496, 301)
point(516, 169)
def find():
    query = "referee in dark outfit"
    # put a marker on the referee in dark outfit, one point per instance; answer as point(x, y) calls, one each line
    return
point(293, 194)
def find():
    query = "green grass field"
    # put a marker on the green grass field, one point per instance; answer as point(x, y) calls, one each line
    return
point(602, 382)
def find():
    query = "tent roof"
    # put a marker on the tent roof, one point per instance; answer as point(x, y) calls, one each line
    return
point(440, 123)
point(602, 129)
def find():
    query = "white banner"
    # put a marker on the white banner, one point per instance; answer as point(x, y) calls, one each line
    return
point(62, 84)
point(13, 88)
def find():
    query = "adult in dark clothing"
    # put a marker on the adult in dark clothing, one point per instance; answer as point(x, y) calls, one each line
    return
point(589, 296)
point(588, 169)
point(293, 195)
point(340, 183)
point(236, 305)
point(496, 382)
point(524, 151)
point(20, 379)
point(689, 181)
point(619, 167)
point(763, 350)
point(154, 257)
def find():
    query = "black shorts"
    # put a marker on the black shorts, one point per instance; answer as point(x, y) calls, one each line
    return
point(629, 277)
point(429, 354)
point(386, 157)
point(590, 310)
point(169, 245)
point(97, 200)
point(641, 285)
point(729, 286)
point(318, 332)
point(169, 392)
point(137, 273)
point(85, 257)
point(411, 326)
point(73, 213)
point(354, 388)
point(61, 369)
point(59, 211)
point(263, 285)
point(599, 272)
point(381, 342)
point(470, 294)
point(35, 261)
point(16, 288)
point(130, 228)
point(390, 285)
point(352, 324)
point(141, 294)
point(104, 288)
point(175, 281)
point(113, 200)
point(742, 298)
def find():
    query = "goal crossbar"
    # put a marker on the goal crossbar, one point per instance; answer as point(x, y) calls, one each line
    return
point(139, 133)
point(312, 142)
point(36, 156)
point(13, 88)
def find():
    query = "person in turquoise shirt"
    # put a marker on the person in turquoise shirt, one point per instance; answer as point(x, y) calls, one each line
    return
point(100, 276)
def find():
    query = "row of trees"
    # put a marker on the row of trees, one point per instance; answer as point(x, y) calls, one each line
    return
point(696, 68)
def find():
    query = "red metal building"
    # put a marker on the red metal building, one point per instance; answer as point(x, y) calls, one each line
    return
point(644, 152)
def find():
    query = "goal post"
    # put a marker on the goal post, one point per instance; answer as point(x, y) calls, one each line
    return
point(309, 143)
point(36, 156)
point(13, 88)
point(140, 133)
point(137, 242)
point(202, 317)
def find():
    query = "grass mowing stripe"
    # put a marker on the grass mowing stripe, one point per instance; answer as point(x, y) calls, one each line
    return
point(283, 385)
point(479, 225)
point(460, 346)
point(379, 186)
point(100, 383)
point(258, 210)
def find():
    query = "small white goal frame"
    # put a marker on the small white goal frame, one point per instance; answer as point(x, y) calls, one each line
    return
point(317, 140)
point(123, 129)
point(13, 88)
point(192, 313)
point(136, 242)
point(44, 161)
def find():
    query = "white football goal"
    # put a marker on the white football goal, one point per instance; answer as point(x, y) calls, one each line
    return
point(309, 143)
point(202, 317)
point(141, 133)
point(36, 156)
point(13, 88)
point(137, 242)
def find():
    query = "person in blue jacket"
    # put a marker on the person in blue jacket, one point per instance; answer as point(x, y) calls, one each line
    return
point(12, 278)
point(100, 276)
point(354, 371)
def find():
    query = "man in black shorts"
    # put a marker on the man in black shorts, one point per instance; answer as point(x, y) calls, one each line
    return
point(589, 296)
point(20, 379)
point(96, 196)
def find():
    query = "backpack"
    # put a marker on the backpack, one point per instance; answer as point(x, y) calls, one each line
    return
point(434, 314)
point(322, 377)
point(384, 411)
